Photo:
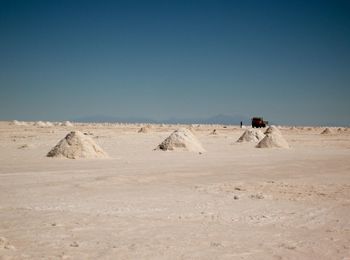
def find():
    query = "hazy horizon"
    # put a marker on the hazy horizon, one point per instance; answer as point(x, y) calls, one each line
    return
point(286, 61)
point(220, 119)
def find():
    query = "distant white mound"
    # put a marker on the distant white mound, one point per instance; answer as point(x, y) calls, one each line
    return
point(272, 130)
point(273, 140)
point(251, 135)
point(41, 124)
point(67, 123)
point(181, 139)
point(77, 145)
point(144, 129)
point(327, 131)
point(19, 123)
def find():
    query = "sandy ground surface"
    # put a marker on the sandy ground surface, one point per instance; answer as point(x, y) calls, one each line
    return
point(232, 202)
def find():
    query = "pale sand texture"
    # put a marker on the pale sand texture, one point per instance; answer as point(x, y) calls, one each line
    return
point(233, 202)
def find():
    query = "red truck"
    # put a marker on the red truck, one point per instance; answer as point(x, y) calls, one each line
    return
point(259, 122)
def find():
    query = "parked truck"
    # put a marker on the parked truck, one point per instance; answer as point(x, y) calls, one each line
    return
point(259, 122)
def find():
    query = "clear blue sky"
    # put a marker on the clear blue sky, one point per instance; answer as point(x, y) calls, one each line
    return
point(288, 61)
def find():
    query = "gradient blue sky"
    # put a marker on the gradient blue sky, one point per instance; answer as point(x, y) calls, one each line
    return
point(286, 60)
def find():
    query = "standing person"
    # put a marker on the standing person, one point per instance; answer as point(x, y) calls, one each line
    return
point(241, 124)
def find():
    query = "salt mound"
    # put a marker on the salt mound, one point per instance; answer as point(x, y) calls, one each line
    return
point(67, 123)
point(77, 145)
point(181, 139)
point(144, 129)
point(272, 140)
point(272, 130)
point(40, 124)
point(192, 129)
point(327, 131)
point(19, 123)
point(251, 135)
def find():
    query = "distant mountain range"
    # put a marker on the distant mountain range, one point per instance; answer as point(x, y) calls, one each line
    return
point(218, 119)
